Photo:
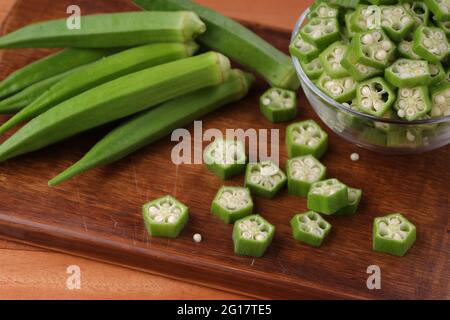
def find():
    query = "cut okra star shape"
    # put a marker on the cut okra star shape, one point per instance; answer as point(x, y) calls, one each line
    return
point(310, 228)
point(431, 44)
point(225, 158)
point(264, 179)
point(413, 103)
point(408, 73)
point(252, 236)
point(302, 172)
point(327, 196)
point(232, 203)
point(393, 234)
point(278, 105)
point(375, 96)
point(304, 138)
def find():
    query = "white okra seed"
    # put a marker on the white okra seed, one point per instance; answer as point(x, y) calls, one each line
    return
point(197, 237)
point(354, 157)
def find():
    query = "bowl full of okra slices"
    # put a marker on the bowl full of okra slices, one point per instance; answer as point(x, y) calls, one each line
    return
point(377, 72)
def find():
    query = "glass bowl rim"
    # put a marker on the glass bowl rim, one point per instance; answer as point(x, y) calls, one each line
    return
point(311, 86)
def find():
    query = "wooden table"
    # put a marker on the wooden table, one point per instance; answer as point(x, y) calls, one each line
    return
point(33, 273)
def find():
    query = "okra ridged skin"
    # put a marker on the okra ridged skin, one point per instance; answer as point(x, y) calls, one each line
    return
point(236, 42)
point(48, 67)
point(155, 124)
point(117, 99)
point(108, 31)
point(100, 72)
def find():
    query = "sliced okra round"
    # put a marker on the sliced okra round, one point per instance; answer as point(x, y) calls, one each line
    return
point(310, 228)
point(366, 18)
point(327, 196)
point(340, 89)
point(408, 73)
point(306, 138)
point(441, 101)
point(373, 48)
point(405, 49)
point(278, 105)
point(396, 21)
point(393, 234)
point(348, 24)
point(419, 11)
point(437, 73)
point(358, 71)
point(165, 217)
point(321, 32)
point(303, 50)
point(439, 8)
point(412, 103)
point(375, 96)
point(331, 59)
point(264, 179)
point(302, 172)
point(354, 198)
point(405, 138)
point(431, 44)
point(232, 203)
point(252, 236)
point(312, 69)
point(323, 10)
point(226, 158)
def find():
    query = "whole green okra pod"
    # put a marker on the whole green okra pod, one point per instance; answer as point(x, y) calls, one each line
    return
point(48, 67)
point(154, 124)
point(117, 99)
point(100, 72)
point(111, 30)
point(236, 42)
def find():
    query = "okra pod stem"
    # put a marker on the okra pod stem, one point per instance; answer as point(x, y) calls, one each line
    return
point(100, 72)
point(48, 67)
point(117, 99)
point(108, 31)
point(154, 124)
point(235, 41)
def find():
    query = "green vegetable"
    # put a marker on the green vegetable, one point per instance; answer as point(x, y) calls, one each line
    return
point(48, 67)
point(431, 44)
point(23, 98)
point(226, 158)
point(232, 203)
point(358, 71)
point(117, 99)
point(312, 69)
point(419, 11)
point(304, 138)
point(154, 124)
point(373, 48)
point(348, 24)
point(437, 73)
point(108, 31)
point(396, 21)
point(310, 228)
point(236, 42)
point(341, 89)
point(375, 96)
point(331, 59)
point(374, 136)
point(405, 49)
point(278, 105)
point(165, 217)
point(304, 51)
point(327, 196)
point(321, 32)
point(100, 72)
point(365, 18)
point(408, 73)
point(440, 9)
point(264, 179)
point(323, 10)
point(441, 100)
point(393, 234)
point(354, 198)
point(413, 103)
point(252, 236)
point(302, 172)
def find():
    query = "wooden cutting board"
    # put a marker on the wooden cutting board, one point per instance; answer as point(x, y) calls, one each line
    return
point(98, 215)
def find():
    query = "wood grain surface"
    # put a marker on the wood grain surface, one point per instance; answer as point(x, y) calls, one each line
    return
point(98, 215)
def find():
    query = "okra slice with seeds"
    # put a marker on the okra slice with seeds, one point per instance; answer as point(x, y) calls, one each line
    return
point(252, 236)
point(393, 234)
point(354, 198)
point(165, 217)
point(358, 71)
point(232, 203)
point(226, 158)
point(373, 48)
point(323, 10)
point(264, 179)
point(366, 18)
point(306, 138)
point(396, 21)
point(327, 196)
point(431, 44)
point(312, 69)
point(413, 103)
point(439, 8)
point(405, 49)
point(340, 89)
point(310, 228)
point(408, 73)
point(302, 172)
point(303, 50)
point(375, 96)
point(278, 105)
point(419, 11)
point(437, 73)
point(321, 32)
point(441, 101)
point(331, 59)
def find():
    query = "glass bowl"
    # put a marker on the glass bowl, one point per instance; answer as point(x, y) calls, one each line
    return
point(377, 134)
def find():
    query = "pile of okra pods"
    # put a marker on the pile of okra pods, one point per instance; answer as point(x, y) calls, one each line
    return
point(385, 58)
point(305, 176)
